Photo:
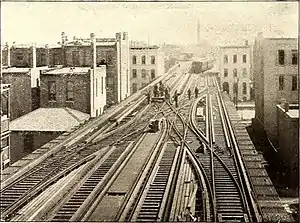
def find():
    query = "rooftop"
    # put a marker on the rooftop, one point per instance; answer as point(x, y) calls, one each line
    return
point(231, 46)
point(69, 70)
point(16, 70)
point(49, 120)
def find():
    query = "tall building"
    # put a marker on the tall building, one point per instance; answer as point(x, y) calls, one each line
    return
point(5, 132)
point(147, 63)
point(235, 71)
point(275, 68)
point(113, 52)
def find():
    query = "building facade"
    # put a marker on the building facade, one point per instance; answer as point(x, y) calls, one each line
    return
point(275, 68)
point(235, 71)
point(112, 52)
point(147, 63)
point(78, 88)
point(5, 119)
point(288, 140)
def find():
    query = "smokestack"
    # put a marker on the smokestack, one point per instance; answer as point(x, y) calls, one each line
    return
point(93, 43)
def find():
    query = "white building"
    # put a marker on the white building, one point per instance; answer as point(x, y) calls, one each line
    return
point(146, 64)
point(235, 71)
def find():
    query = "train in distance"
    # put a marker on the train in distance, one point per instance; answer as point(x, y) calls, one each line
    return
point(201, 65)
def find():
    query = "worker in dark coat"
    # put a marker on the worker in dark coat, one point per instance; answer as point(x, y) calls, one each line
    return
point(148, 97)
point(189, 94)
point(176, 98)
point(196, 92)
point(167, 96)
point(155, 91)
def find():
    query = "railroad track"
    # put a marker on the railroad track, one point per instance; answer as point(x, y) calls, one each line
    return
point(15, 195)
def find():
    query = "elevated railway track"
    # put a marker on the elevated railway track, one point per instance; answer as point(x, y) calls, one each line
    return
point(191, 169)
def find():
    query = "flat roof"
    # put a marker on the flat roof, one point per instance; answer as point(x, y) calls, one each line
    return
point(16, 70)
point(68, 70)
point(49, 120)
point(248, 46)
point(293, 113)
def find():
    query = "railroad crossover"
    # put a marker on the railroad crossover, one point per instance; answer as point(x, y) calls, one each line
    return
point(184, 166)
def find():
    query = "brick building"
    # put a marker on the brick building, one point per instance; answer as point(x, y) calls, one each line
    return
point(79, 88)
point(5, 132)
point(146, 64)
point(24, 55)
point(113, 52)
point(275, 68)
point(288, 140)
point(235, 71)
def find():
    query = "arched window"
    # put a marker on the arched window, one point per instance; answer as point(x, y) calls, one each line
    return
point(133, 59)
point(143, 59)
point(244, 72)
point(144, 73)
point(225, 59)
point(152, 59)
point(226, 87)
point(235, 88)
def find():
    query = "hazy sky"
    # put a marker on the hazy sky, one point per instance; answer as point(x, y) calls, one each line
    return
point(220, 23)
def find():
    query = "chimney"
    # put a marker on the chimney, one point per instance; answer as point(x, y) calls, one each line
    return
point(63, 38)
point(8, 54)
point(94, 54)
point(34, 55)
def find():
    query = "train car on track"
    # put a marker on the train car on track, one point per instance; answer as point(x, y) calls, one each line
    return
point(201, 65)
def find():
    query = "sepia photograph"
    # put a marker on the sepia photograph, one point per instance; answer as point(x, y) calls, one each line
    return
point(149, 112)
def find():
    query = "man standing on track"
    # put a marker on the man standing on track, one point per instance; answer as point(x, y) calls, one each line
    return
point(189, 94)
point(196, 92)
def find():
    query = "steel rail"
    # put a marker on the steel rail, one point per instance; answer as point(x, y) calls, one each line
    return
point(244, 175)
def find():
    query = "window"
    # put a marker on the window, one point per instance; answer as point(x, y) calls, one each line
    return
point(134, 88)
point(244, 72)
point(281, 83)
point(133, 73)
point(4, 104)
point(109, 57)
point(281, 57)
point(152, 59)
point(144, 73)
point(51, 91)
point(244, 98)
point(294, 83)
point(133, 59)
point(20, 56)
point(294, 57)
point(70, 90)
point(225, 72)
point(152, 74)
point(96, 87)
point(244, 88)
point(225, 59)
point(244, 58)
point(234, 72)
point(4, 142)
point(235, 88)
point(102, 85)
point(226, 87)
point(75, 58)
point(234, 58)
point(143, 59)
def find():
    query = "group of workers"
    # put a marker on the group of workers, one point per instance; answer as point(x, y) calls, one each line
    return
point(196, 93)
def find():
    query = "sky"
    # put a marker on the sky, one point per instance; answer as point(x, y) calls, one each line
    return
point(221, 23)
